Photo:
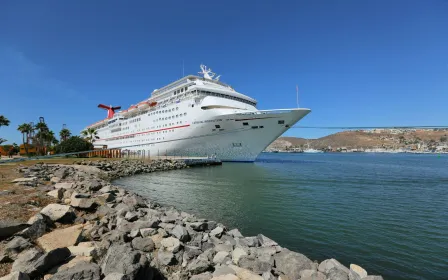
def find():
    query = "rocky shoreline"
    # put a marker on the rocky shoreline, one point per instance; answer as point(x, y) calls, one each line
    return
point(100, 231)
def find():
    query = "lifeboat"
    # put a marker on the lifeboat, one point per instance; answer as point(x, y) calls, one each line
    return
point(124, 113)
point(152, 104)
point(143, 105)
point(132, 109)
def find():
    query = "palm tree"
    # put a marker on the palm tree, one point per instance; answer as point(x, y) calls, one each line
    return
point(3, 121)
point(25, 129)
point(43, 128)
point(64, 134)
point(90, 134)
point(2, 140)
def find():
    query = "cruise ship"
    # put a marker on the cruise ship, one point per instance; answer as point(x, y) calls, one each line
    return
point(196, 116)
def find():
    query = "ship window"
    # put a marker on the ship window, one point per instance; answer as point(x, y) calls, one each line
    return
point(281, 122)
point(181, 90)
point(177, 108)
point(192, 105)
point(185, 114)
point(261, 126)
point(254, 127)
point(217, 126)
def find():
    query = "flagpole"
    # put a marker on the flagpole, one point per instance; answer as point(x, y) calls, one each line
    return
point(297, 93)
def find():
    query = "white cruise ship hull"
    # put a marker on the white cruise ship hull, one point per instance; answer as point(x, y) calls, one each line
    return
point(195, 117)
point(240, 136)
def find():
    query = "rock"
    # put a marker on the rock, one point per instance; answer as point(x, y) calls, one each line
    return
point(81, 201)
point(103, 199)
point(223, 247)
point(106, 189)
point(116, 276)
point(38, 227)
point(254, 264)
point(59, 213)
point(235, 233)
point(126, 226)
point(223, 270)
point(310, 274)
point(71, 263)
point(64, 185)
point(180, 233)
point(145, 232)
point(55, 180)
point(82, 270)
point(24, 180)
point(251, 241)
point(359, 270)
point(198, 226)
point(170, 244)
point(337, 274)
point(134, 201)
point(143, 244)
point(269, 276)
point(353, 275)
point(165, 257)
point(122, 259)
point(220, 257)
point(291, 263)
point(226, 277)
point(191, 252)
point(57, 193)
point(16, 276)
point(198, 265)
point(237, 254)
point(47, 261)
point(202, 276)
point(86, 249)
point(93, 185)
point(327, 265)
point(245, 274)
point(131, 216)
point(25, 259)
point(17, 245)
point(217, 231)
point(9, 228)
point(373, 277)
point(61, 173)
point(60, 238)
point(104, 210)
point(265, 241)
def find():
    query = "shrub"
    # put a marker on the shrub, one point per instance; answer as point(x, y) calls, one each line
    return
point(73, 144)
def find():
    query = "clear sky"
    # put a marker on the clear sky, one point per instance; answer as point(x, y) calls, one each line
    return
point(357, 63)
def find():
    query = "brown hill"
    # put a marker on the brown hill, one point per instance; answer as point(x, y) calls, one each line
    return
point(380, 138)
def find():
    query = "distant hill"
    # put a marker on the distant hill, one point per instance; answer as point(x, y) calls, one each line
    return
point(380, 138)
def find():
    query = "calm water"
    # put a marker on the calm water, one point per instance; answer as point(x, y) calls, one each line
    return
point(387, 213)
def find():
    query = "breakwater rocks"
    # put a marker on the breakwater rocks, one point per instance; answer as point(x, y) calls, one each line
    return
point(99, 231)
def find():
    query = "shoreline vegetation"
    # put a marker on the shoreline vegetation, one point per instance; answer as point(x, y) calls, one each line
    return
point(71, 222)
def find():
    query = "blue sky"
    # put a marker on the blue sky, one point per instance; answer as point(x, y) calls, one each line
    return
point(357, 63)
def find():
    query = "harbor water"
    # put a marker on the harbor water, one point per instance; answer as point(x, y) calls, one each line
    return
point(385, 212)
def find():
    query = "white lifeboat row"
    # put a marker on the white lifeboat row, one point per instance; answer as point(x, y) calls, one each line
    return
point(139, 107)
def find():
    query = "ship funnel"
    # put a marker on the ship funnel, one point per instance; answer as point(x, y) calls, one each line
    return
point(110, 109)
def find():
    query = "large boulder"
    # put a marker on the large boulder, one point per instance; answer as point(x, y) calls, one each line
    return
point(254, 264)
point(64, 185)
point(126, 226)
point(291, 263)
point(143, 244)
point(116, 276)
point(16, 276)
point(358, 270)
point(337, 274)
point(237, 254)
point(180, 233)
point(59, 213)
point(9, 228)
point(57, 193)
point(16, 245)
point(170, 244)
point(198, 265)
point(243, 273)
point(82, 270)
point(121, 259)
point(327, 265)
point(46, 262)
point(165, 257)
point(134, 201)
point(235, 233)
point(38, 227)
point(81, 201)
point(221, 257)
point(265, 241)
point(217, 231)
point(25, 259)
point(60, 238)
